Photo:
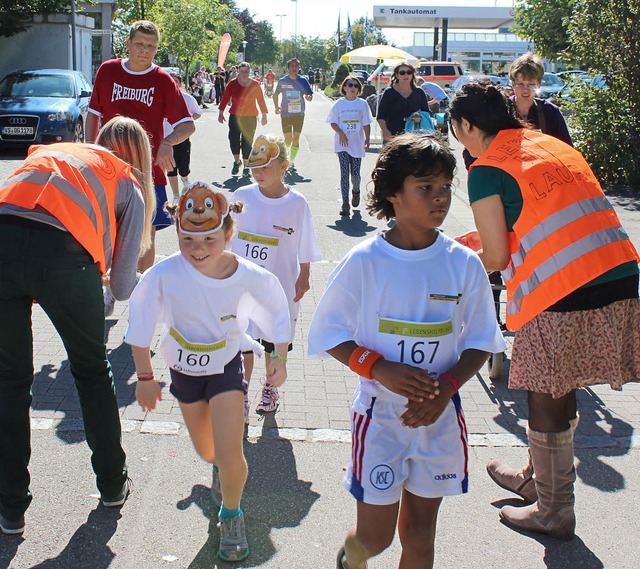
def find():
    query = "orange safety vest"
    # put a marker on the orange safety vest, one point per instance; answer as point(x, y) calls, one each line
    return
point(77, 185)
point(567, 233)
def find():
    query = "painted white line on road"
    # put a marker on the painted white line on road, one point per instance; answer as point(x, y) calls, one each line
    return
point(160, 427)
point(496, 440)
point(40, 424)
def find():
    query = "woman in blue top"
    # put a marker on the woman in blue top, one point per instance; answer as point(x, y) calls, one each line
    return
point(400, 100)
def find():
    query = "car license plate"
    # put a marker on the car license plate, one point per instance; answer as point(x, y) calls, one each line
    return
point(17, 130)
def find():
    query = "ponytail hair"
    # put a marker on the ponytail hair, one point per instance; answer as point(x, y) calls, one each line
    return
point(128, 141)
point(486, 107)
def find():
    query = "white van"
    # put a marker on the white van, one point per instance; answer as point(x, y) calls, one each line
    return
point(441, 72)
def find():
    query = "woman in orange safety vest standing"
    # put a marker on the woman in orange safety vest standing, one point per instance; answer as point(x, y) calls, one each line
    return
point(68, 214)
point(572, 289)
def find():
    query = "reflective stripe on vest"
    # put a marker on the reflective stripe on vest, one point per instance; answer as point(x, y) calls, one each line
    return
point(76, 184)
point(567, 233)
point(559, 261)
point(99, 190)
point(554, 223)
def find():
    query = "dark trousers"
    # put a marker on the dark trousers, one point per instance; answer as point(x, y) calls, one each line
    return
point(182, 157)
point(43, 263)
point(241, 132)
point(219, 91)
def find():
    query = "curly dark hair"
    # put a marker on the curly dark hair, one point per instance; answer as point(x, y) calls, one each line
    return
point(406, 155)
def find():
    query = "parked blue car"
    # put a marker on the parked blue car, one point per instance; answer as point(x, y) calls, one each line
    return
point(43, 106)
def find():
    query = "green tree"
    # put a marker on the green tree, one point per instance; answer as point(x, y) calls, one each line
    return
point(265, 47)
point(375, 35)
point(191, 29)
point(545, 23)
point(310, 52)
point(262, 46)
point(607, 121)
point(129, 11)
point(15, 15)
point(604, 122)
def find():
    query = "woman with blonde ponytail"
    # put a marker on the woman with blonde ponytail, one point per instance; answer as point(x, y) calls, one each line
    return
point(70, 214)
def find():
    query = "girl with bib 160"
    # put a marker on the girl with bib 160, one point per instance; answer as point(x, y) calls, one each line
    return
point(276, 232)
point(411, 313)
point(205, 298)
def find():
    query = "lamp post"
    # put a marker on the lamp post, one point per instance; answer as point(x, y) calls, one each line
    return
point(73, 35)
point(295, 30)
point(280, 16)
point(244, 50)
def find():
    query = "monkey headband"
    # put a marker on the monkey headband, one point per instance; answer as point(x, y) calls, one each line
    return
point(262, 153)
point(201, 210)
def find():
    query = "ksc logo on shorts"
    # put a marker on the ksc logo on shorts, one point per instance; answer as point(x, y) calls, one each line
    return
point(450, 476)
point(381, 477)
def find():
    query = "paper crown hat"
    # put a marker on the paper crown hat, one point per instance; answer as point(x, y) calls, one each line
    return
point(263, 152)
point(201, 209)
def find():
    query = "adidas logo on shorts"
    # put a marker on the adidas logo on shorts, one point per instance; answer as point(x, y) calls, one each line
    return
point(450, 476)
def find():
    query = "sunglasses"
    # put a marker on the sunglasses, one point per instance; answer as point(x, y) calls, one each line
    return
point(403, 72)
point(355, 85)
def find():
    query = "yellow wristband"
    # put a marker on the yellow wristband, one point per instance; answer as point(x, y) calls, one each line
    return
point(275, 355)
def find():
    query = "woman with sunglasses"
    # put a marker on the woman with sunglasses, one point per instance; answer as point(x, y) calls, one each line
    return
point(572, 288)
point(350, 118)
point(400, 100)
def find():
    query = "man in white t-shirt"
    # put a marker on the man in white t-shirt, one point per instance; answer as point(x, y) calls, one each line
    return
point(181, 151)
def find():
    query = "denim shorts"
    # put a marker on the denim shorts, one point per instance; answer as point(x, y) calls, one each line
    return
point(190, 389)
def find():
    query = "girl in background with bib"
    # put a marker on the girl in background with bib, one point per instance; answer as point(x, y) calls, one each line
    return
point(205, 298)
point(411, 313)
point(276, 232)
point(350, 118)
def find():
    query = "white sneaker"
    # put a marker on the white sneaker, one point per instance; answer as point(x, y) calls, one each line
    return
point(176, 199)
point(109, 301)
point(269, 400)
point(121, 498)
point(185, 183)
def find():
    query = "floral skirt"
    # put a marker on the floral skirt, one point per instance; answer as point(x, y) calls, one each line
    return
point(558, 352)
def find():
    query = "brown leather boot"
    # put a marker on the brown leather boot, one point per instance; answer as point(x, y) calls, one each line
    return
point(553, 514)
point(520, 481)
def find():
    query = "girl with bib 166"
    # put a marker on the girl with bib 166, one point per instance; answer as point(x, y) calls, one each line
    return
point(410, 311)
point(275, 231)
point(205, 297)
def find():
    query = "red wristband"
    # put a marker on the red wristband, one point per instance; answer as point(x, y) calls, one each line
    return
point(451, 380)
point(145, 376)
point(362, 359)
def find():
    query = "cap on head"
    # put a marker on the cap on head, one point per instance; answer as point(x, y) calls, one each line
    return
point(201, 209)
point(263, 152)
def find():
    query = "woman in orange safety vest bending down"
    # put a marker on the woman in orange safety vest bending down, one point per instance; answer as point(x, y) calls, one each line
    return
point(572, 289)
point(69, 214)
